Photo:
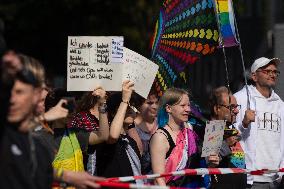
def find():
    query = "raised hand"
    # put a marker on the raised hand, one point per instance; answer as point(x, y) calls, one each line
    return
point(100, 93)
point(56, 112)
point(127, 89)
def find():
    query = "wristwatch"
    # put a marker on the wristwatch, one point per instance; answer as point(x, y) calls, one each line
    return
point(103, 108)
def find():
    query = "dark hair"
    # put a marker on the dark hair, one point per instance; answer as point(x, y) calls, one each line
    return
point(86, 102)
point(216, 97)
point(33, 65)
point(54, 96)
point(137, 101)
point(115, 99)
point(26, 76)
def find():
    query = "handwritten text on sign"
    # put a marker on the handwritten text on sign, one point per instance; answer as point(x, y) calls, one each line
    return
point(140, 70)
point(93, 61)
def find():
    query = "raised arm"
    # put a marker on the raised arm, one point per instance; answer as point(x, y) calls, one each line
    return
point(102, 134)
point(117, 123)
point(132, 132)
point(54, 113)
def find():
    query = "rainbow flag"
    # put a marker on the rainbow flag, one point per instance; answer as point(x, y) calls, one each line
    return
point(185, 32)
point(226, 22)
point(238, 156)
point(69, 156)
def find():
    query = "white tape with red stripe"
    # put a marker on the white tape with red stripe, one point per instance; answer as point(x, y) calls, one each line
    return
point(199, 171)
point(136, 186)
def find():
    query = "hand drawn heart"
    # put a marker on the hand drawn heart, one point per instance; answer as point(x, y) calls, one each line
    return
point(199, 47)
point(204, 4)
point(193, 46)
point(196, 32)
point(190, 33)
point(216, 35)
point(198, 6)
point(192, 11)
point(209, 34)
point(206, 49)
point(188, 45)
point(202, 33)
point(197, 20)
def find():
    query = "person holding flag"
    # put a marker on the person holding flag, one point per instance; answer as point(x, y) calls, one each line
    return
point(261, 122)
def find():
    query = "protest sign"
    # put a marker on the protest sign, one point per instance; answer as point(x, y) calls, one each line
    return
point(140, 70)
point(213, 137)
point(94, 61)
point(103, 61)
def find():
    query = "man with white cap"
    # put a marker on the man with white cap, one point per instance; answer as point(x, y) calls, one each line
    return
point(261, 123)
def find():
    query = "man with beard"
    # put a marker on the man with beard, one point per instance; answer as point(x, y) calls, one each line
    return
point(261, 122)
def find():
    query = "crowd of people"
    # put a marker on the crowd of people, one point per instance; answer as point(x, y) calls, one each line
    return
point(50, 139)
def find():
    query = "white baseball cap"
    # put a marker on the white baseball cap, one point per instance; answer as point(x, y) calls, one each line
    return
point(260, 62)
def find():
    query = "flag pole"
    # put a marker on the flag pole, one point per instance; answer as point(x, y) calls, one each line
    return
point(221, 40)
point(239, 47)
point(242, 58)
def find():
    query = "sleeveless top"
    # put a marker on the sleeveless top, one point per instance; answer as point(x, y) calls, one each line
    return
point(146, 157)
point(170, 140)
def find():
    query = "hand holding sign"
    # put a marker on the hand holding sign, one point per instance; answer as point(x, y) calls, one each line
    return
point(127, 89)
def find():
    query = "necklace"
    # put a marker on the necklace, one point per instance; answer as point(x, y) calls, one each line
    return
point(180, 128)
point(170, 127)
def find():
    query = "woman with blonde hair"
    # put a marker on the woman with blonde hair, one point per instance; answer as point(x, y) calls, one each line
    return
point(174, 146)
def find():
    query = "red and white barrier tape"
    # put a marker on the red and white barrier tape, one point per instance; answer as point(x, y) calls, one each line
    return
point(137, 186)
point(199, 171)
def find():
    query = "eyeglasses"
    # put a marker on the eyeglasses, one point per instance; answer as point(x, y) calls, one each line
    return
point(270, 72)
point(232, 106)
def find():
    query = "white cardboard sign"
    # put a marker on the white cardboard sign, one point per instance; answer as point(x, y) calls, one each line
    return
point(140, 70)
point(213, 137)
point(94, 61)
point(103, 61)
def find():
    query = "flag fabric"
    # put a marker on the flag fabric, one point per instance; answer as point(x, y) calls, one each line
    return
point(185, 31)
point(226, 22)
point(69, 156)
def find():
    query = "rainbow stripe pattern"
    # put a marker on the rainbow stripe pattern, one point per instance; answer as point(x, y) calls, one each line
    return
point(185, 31)
point(225, 19)
point(238, 156)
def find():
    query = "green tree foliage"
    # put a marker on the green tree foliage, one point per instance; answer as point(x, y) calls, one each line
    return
point(40, 27)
